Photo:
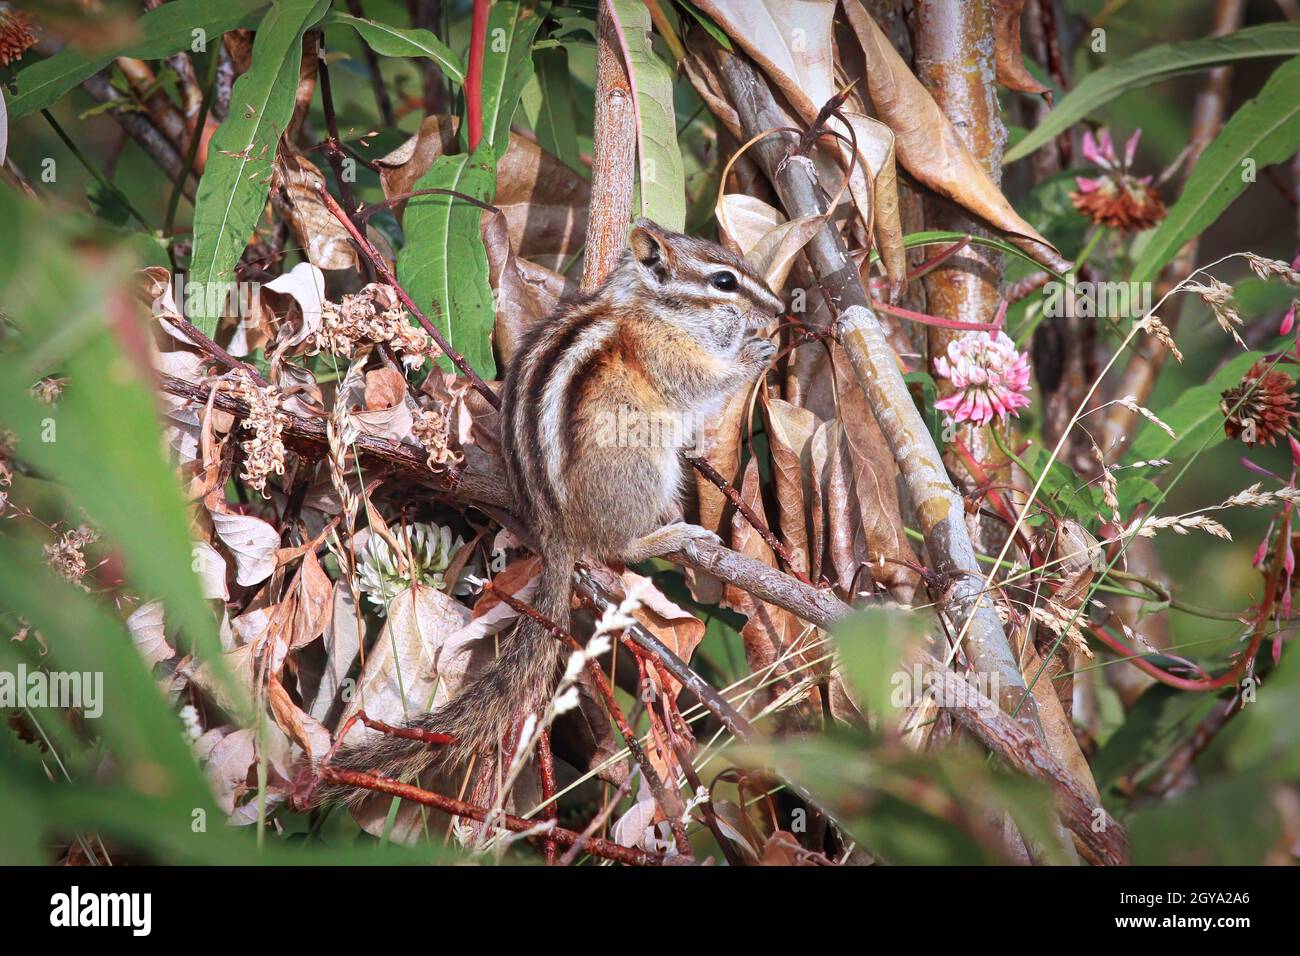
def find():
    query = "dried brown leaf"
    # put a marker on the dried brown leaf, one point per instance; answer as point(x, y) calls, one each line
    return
point(1006, 49)
point(927, 144)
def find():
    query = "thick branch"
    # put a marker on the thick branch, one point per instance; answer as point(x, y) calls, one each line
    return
point(1105, 846)
point(937, 504)
point(613, 159)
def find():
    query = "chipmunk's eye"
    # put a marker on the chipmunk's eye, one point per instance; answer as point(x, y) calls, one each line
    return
point(726, 281)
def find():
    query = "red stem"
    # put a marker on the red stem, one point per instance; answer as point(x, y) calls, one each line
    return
point(474, 76)
point(934, 320)
point(546, 771)
point(376, 260)
point(594, 845)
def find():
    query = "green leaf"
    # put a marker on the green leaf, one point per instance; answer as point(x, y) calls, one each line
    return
point(443, 266)
point(1162, 62)
point(706, 21)
point(234, 187)
point(101, 443)
point(1195, 416)
point(1229, 822)
point(1265, 130)
point(873, 645)
point(549, 107)
point(166, 30)
point(944, 237)
point(83, 637)
point(395, 41)
point(507, 67)
point(662, 179)
point(1155, 724)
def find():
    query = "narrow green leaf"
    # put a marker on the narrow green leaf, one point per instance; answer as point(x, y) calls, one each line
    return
point(706, 21)
point(550, 111)
point(235, 183)
point(172, 27)
point(662, 178)
point(1264, 131)
point(101, 444)
point(507, 67)
point(933, 237)
point(1162, 62)
point(83, 637)
point(443, 265)
point(395, 41)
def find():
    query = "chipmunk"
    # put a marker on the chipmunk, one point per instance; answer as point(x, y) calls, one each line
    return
point(665, 338)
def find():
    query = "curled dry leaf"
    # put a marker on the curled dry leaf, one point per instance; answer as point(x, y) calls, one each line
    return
point(304, 730)
point(304, 285)
point(211, 569)
point(406, 657)
point(295, 180)
point(145, 625)
point(771, 635)
point(720, 441)
point(303, 615)
point(790, 430)
point(928, 146)
point(1075, 556)
point(1006, 50)
point(769, 242)
point(792, 42)
point(526, 292)
point(637, 827)
point(342, 643)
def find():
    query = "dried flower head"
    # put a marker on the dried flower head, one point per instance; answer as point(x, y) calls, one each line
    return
point(1274, 268)
point(1260, 409)
point(264, 452)
point(1152, 325)
point(371, 316)
point(990, 378)
point(432, 429)
point(66, 556)
point(49, 389)
point(16, 36)
point(1116, 198)
point(1218, 296)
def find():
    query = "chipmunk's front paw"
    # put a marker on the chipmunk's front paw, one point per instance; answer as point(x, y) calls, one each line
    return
point(758, 353)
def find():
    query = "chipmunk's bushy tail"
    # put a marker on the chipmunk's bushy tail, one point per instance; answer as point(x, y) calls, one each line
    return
point(518, 682)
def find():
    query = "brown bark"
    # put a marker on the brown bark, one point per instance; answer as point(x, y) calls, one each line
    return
point(614, 156)
point(954, 59)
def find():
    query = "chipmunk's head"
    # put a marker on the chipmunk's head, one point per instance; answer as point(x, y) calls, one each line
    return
point(696, 285)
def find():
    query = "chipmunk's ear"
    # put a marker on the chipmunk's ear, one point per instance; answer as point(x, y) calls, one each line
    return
point(652, 248)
